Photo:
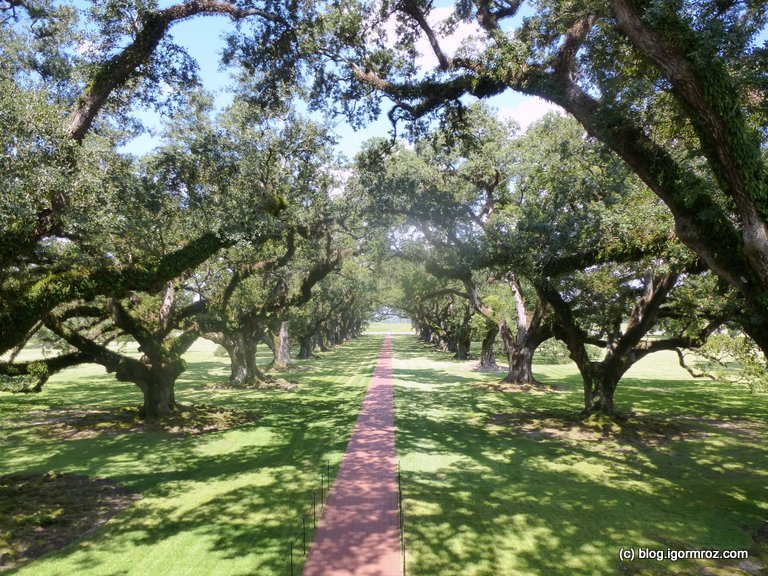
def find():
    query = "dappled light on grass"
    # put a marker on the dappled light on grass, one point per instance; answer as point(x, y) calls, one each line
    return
point(483, 498)
point(636, 429)
point(224, 503)
point(188, 420)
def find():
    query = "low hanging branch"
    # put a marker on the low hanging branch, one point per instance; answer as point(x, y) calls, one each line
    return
point(19, 314)
point(690, 369)
point(27, 377)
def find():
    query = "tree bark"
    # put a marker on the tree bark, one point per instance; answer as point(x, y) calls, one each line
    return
point(487, 357)
point(600, 382)
point(305, 347)
point(462, 346)
point(519, 355)
point(159, 390)
point(321, 343)
point(282, 348)
point(242, 357)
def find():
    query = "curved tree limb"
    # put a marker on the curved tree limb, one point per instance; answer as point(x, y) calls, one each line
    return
point(18, 315)
point(116, 71)
point(41, 370)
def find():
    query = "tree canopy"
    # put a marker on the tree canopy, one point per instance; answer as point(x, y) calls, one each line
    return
point(676, 90)
point(644, 212)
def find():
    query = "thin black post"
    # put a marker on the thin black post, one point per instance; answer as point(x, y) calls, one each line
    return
point(322, 494)
point(402, 516)
point(314, 509)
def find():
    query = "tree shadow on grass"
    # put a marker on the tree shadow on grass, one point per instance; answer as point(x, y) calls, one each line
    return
point(227, 502)
point(703, 398)
point(198, 373)
point(484, 502)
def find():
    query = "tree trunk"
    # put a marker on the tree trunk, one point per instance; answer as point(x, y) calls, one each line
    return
point(589, 384)
point(242, 359)
point(305, 347)
point(520, 370)
point(600, 380)
point(282, 349)
point(520, 350)
point(600, 383)
point(487, 357)
point(462, 348)
point(603, 403)
point(157, 381)
point(321, 343)
point(159, 393)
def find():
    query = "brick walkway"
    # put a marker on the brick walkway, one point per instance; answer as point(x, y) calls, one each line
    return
point(358, 533)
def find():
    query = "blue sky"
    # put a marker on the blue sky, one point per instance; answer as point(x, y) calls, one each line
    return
point(203, 38)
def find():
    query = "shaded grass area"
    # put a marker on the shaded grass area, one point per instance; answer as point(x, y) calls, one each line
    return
point(188, 420)
point(217, 503)
point(42, 513)
point(484, 499)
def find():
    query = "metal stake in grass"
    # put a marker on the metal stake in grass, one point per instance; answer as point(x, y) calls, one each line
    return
point(304, 533)
point(314, 509)
point(401, 514)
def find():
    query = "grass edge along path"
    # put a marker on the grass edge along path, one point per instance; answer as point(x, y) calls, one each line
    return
point(358, 533)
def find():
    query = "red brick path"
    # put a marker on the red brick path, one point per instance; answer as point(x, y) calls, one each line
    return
point(358, 533)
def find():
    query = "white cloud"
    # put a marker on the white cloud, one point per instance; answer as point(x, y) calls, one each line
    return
point(340, 177)
point(528, 110)
point(86, 48)
point(463, 34)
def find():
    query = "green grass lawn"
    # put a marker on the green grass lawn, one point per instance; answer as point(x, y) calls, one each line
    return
point(483, 499)
point(394, 327)
point(225, 503)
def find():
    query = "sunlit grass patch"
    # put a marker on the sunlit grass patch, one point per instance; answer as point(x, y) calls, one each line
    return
point(394, 327)
point(225, 502)
point(500, 484)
